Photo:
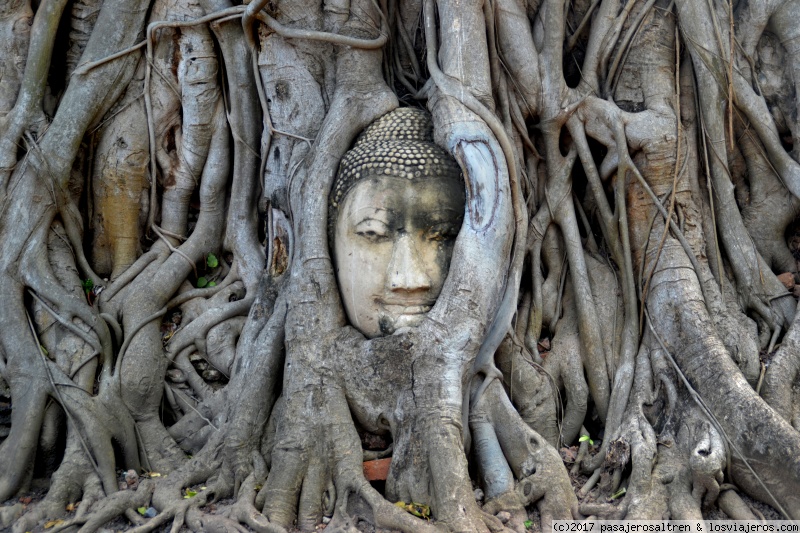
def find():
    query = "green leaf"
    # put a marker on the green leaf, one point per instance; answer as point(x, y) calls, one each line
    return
point(212, 261)
point(190, 494)
point(419, 509)
point(212, 283)
point(528, 524)
point(142, 510)
point(619, 493)
point(585, 438)
point(201, 282)
point(87, 285)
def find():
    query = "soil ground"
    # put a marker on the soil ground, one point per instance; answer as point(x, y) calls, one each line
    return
point(122, 524)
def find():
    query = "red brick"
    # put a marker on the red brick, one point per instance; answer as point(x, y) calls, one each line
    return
point(377, 470)
point(787, 278)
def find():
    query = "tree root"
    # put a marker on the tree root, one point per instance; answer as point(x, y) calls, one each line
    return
point(111, 507)
point(678, 416)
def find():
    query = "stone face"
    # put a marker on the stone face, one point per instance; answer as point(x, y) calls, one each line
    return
point(397, 205)
point(392, 248)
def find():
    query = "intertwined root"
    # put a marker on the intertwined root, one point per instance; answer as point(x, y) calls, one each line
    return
point(636, 262)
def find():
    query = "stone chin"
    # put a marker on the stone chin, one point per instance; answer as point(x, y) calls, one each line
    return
point(389, 324)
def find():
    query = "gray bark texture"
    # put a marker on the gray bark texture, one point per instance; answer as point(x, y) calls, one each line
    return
point(616, 336)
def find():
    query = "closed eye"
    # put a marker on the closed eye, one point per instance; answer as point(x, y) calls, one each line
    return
point(373, 236)
point(442, 232)
point(372, 230)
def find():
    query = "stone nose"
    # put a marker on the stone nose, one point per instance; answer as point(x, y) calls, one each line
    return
point(406, 268)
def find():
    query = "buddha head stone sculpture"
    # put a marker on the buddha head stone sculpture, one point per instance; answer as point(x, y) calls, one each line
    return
point(396, 208)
